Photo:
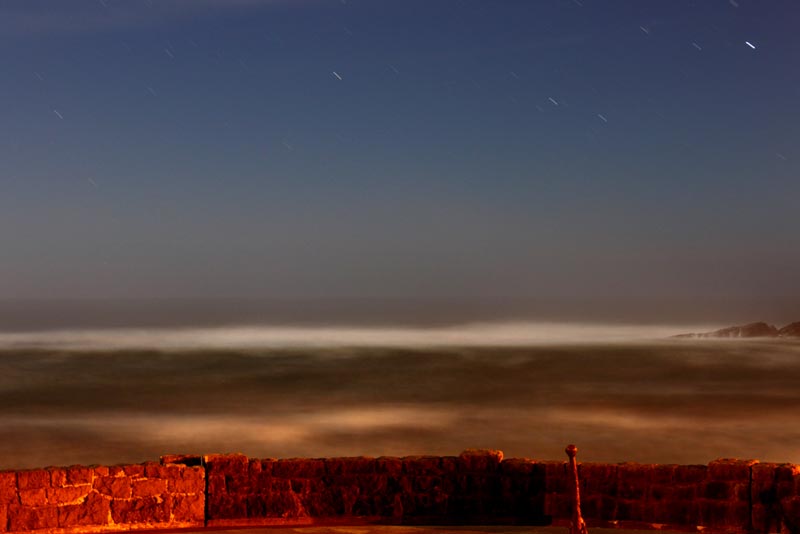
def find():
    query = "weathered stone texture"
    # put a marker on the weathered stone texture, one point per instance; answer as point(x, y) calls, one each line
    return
point(148, 487)
point(474, 487)
point(413, 489)
point(79, 475)
point(94, 510)
point(189, 508)
point(25, 518)
point(33, 479)
point(102, 498)
point(114, 487)
point(775, 495)
point(8, 488)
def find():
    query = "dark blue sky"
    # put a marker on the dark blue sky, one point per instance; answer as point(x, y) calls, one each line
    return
point(399, 148)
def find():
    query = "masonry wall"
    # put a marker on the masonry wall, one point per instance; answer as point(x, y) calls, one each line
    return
point(473, 488)
point(477, 487)
point(96, 499)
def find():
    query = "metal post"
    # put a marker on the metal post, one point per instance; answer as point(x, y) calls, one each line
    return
point(577, 525)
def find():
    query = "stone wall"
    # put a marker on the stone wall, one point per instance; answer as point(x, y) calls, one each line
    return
point(715, 496)
point(473, 488)
point(96, 499)
point(477, 487)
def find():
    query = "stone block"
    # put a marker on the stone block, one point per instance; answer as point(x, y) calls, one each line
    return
point(254, 467)
point(422, 484)
point(514, 487)
point(784, 490)
point(33, 497)
point(24, 518)
point(597, 478)
point(94, 510)
point(599, 507)
point(423, 465)
point(449, 464)
point(477, 484)
point(78, 474)
point(716, 490)
point(763, 474)
point(227, 507)
point(68, 494)
point(786, 472)
point(662, 474)
point(116, 471)
point(176, 470)
point(346, 496)
point(148, 487)
point(558, 506)
point(114, 487)
point(400, 484)
point(226, 463)
point(374, 484)
point(723, 514)
point(100, 471)
point(190, 480)
point(8, 488)
point(300, 486)
point(556, 477)
point(216, 484)
point(522, 467)
point(190, 508)
point(658, 493)
point(269, 484)
point(143, 510)
point(389, 465)
point(134, 470)
point(672, 512)
point(266, 465)
point(320, 503)
point(684, 513)
point(741, 491)
point(367, 505)
point(235, 469)
point(33, 479)
point(632, 485)
point(729, 469)
point(155, 470)
point(58, 477)
point(303, 468)
point(283, 505)
point(363, 465)
point(690, 474)
point(480, 459)
point(790, 517)
point(770, 519)
point(238, 484)
point(630, 509)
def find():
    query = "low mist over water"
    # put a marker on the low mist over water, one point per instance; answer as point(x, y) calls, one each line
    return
point(620, 393)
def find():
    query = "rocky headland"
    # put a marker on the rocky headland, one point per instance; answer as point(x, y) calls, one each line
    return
point(750, 330)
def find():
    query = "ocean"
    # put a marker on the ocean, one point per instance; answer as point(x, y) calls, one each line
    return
point(107, 394)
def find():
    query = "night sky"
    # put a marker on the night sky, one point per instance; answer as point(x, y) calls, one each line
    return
point(235, 148)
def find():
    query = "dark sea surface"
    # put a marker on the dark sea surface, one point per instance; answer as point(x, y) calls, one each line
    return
point(621, 393)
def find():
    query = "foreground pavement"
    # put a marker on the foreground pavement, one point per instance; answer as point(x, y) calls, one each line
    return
point(381, 529)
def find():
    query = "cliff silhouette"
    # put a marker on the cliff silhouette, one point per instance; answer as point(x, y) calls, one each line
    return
point(750, 330)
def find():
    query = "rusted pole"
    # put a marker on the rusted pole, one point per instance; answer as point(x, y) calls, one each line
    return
point(577, 526)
